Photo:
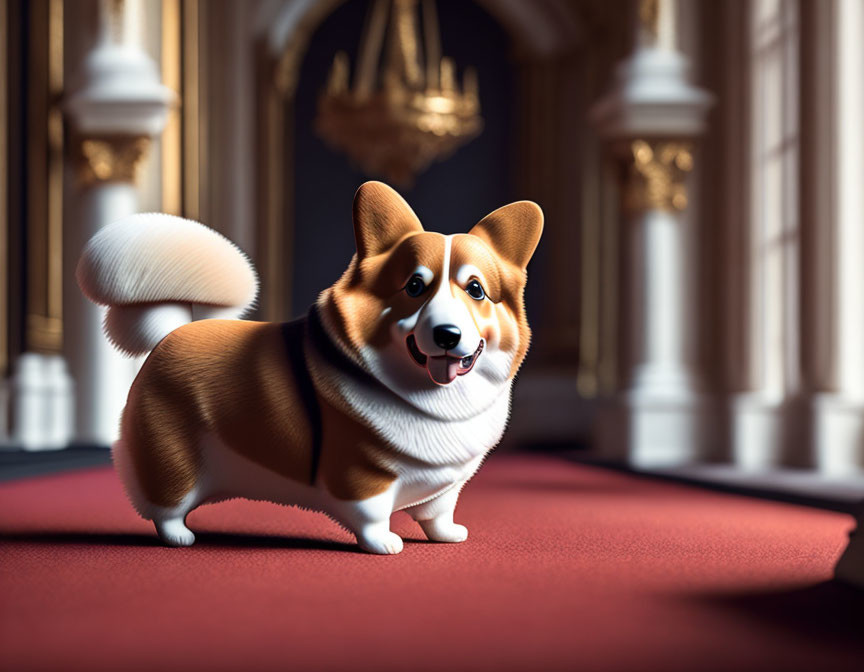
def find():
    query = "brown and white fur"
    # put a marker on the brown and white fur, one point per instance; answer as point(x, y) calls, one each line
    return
point(386, 397)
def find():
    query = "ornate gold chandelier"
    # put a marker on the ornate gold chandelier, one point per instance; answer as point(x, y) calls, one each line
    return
point(396, 122)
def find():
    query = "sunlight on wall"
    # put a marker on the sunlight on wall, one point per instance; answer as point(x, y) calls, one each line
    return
point(774, 160)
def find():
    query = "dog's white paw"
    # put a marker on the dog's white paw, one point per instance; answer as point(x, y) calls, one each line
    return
point(445, 531)
point(382, 542)
point(173, 532)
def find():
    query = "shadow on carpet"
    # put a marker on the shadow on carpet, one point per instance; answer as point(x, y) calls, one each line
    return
point(202, 539)
point(831, 612)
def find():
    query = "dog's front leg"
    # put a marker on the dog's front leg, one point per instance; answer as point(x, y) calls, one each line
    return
point(369, 520)
point(436, 517)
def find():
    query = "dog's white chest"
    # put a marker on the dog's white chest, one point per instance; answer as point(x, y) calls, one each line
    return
point(416, 485)
point(429, 440)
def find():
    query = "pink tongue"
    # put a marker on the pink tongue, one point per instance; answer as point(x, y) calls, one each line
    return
point(443, 369)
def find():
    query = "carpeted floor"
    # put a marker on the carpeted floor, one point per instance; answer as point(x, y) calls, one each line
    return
point(567, 567)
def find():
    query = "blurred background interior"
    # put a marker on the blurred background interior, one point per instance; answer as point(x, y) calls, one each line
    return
point(696, 299)
point(697, 303)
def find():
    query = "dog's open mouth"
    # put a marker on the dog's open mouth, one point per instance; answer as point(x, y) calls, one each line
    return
point(444, 369)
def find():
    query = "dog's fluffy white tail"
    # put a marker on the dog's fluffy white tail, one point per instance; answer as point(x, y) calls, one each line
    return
point(157, 272)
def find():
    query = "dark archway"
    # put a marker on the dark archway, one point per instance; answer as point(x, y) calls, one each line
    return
point(449, 197)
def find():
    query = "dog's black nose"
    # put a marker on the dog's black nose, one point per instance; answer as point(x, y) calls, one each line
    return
point(446, 336)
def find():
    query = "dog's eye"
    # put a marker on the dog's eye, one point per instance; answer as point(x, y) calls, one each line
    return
point(415, 286)
point(475, 290)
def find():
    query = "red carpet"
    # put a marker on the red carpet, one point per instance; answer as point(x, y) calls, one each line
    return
point(568, 567)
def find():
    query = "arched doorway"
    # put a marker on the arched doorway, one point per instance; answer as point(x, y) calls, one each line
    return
point(558, 57)
point(449, 197)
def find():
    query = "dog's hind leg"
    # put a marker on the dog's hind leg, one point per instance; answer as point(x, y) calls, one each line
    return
point(171, 523)
point(159, 457)
point(173, 532)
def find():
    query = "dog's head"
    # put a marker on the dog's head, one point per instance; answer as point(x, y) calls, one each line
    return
point(438, 319)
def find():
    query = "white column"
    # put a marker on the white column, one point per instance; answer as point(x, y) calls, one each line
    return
point(115, 107)
point(660, 317)
point(650, 120)
point(102, 375)
point(838, 417)
point(42, 402)
point(767, 421)
point(658, 334)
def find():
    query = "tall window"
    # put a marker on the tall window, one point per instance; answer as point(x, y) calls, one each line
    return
point(774, 42)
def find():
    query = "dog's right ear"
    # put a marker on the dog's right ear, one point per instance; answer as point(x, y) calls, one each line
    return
point(381, 219)
point(513, 231)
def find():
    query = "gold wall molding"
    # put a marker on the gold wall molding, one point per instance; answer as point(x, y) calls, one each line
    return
point(649, 16)
point(195, 126)
point(172, 136)
point(4, 174)
point(183, 142)
point(45, 147)
point(44, 333)
point(276, 82)
point(110, 158)
point(657, 175)
point(275, 235)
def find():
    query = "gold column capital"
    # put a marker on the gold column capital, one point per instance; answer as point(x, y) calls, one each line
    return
point(657, 172)
point(110, 158)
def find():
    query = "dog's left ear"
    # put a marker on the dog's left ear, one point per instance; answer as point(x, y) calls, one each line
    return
point(513, 231)
point(381, 219)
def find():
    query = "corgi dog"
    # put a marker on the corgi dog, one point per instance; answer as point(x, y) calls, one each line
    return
point(386, 396)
